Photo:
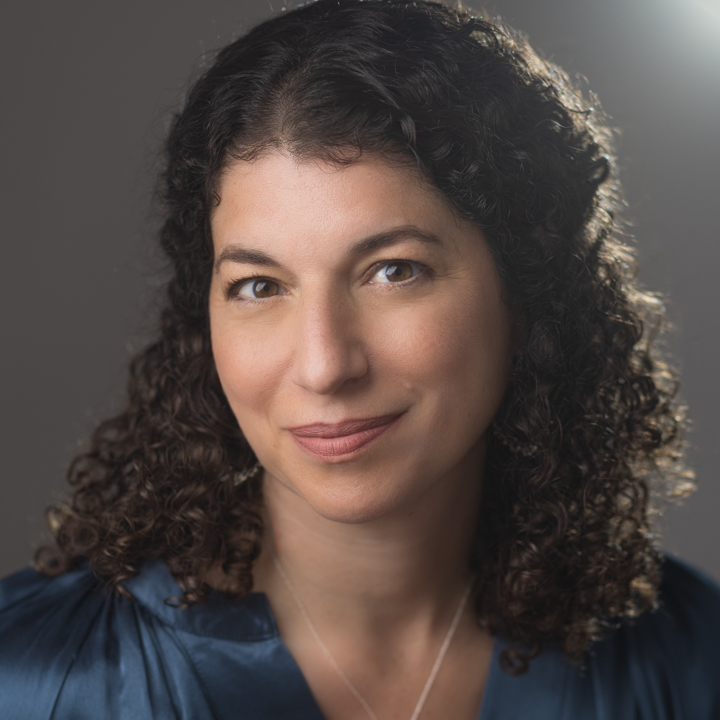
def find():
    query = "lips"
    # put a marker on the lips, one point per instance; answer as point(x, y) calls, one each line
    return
point(342, 438)
point(348, 427)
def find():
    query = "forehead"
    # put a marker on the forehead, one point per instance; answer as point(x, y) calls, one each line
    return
point(279, 199)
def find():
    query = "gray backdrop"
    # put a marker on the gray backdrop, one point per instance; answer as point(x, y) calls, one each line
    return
point(87, 90)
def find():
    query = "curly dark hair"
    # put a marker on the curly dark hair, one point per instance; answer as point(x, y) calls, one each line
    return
point(588, 425)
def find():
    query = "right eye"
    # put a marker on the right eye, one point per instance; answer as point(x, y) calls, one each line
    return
point(255, 289)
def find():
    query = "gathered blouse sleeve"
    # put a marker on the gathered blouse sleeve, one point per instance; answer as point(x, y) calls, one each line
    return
point(72, 650)
point(667, 665)
point(664, 666)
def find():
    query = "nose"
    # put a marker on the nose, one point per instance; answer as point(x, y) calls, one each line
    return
point(329, 350)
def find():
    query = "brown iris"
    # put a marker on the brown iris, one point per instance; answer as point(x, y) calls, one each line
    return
point(398, 271)
point(265, 288)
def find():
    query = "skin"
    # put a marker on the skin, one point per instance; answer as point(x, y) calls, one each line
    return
point(333, 336)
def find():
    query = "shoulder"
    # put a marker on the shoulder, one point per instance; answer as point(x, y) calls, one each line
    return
point(29, 586)
point(667, 664)
point(34, 603)
point(687, 591)
point(687, 619)
point(43, 621)
point(71, 648)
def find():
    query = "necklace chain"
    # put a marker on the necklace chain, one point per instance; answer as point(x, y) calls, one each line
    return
point(344, 677)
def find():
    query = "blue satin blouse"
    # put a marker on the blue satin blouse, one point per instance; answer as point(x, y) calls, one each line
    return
point(70, 650)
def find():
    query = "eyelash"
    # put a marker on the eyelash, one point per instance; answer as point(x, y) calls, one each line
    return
point(423, 271)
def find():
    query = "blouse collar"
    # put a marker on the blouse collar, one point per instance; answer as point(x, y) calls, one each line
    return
point(249, 619)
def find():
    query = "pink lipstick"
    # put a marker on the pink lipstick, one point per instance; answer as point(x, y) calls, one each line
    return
point(341, 439)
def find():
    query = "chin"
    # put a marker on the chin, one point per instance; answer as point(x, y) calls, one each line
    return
point(354, 502)
point(354, 515)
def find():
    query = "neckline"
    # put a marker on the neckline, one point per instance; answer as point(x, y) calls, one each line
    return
point(246, 620)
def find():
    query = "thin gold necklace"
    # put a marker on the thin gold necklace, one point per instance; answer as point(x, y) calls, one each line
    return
point(344, 677)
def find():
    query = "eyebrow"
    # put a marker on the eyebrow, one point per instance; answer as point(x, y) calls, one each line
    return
point(386, 238)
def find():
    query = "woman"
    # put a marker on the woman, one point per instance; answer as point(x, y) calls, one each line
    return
point(392, 452)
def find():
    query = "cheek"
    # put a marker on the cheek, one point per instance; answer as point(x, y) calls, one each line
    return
point(470, 333)
point(459, 351)
point(248, 365)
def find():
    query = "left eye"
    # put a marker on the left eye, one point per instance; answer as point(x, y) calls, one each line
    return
point(395, 272)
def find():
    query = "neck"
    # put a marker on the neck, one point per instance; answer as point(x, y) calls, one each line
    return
point(402, 569)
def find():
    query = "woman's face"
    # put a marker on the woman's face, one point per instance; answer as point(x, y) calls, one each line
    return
point(353, 293)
